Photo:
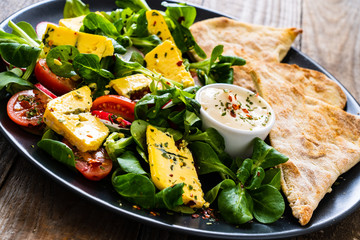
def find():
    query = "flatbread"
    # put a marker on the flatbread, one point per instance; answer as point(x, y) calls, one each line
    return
point(263, 48)
point(242, 39)
point(310, 83)
point(263, 42)
point(322, 142)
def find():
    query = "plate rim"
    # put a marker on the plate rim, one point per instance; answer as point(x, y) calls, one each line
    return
point(177, 228)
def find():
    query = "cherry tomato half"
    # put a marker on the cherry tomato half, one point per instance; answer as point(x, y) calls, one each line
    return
point(94, 165)
point(56, 84)
point(27, 108)
point(118, 105)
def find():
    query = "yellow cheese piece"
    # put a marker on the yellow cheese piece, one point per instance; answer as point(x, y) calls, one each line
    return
point(130, 85)
point(78, 100)
point(55, 36)
point(157, 26)
point(165, 60)
point(69, 116)
point(89, 43)
point(72, 23)
point(84, 42)
point(109, 48)
point(170, 165)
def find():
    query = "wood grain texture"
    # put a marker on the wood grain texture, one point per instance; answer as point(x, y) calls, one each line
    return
point(332, 38)
point(32, 206)
point(276, 13)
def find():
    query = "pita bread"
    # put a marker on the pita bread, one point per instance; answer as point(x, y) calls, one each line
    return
point(322, 142)
point(309, 82)
point(265, 43)
point(263, 48)
point(243, 39)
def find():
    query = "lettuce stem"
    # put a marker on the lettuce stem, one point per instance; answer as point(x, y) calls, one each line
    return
point(18, 30)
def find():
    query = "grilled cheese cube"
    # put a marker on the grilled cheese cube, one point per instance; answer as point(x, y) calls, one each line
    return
point(84, 42)
point(79, 101)
point(170, 165)
point(72, 23)
point(157, 26)
point(165, 60)
point(109, 48)
point(55, 36)
point(69, 116)
point(89, 43)
point(130, 85)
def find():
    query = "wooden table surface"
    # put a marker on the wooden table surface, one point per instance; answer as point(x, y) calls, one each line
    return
point(33, 206)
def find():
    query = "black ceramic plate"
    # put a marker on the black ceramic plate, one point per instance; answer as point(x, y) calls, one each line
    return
point(343, 200)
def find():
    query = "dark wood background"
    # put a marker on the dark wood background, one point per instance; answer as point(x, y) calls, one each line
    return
point(33, 206)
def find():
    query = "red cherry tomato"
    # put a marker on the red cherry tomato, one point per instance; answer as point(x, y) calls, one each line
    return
point(27, 108)
point(94, 165)
point(56, 84)
point(118, 105)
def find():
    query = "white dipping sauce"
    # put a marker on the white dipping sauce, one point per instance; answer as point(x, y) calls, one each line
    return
point(236, 109)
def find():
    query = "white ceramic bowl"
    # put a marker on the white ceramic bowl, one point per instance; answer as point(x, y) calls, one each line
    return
point(238, 142)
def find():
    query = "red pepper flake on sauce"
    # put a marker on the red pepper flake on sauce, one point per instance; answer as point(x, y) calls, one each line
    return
point(179, 63)
point(236, 109)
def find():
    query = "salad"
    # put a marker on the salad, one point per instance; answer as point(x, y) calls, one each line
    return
point(113, 96)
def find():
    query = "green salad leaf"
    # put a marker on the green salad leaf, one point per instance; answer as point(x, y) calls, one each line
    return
point(207, 160)
point(210, 136)
point(11, 38)
point(211, 195)
point(20, 55)
point(217, 68)
point(129, 163)
point(257, 178)
point(269, 204)
point(235, 205)
point(60, 60)
point(88, 66)
point(29, 31)
point(116, 144)
point(273, 178)
point(97, 24)
point(75, 8)
point(244, 171)
point(170, 197)
point(138, 132)
point(181, 17)
point(12, 83)
point(252, 192)
point(183, 13)
point(136, 188)
point(26, 32)
point(135, 5)
point(58, 150)
point(266, 156)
